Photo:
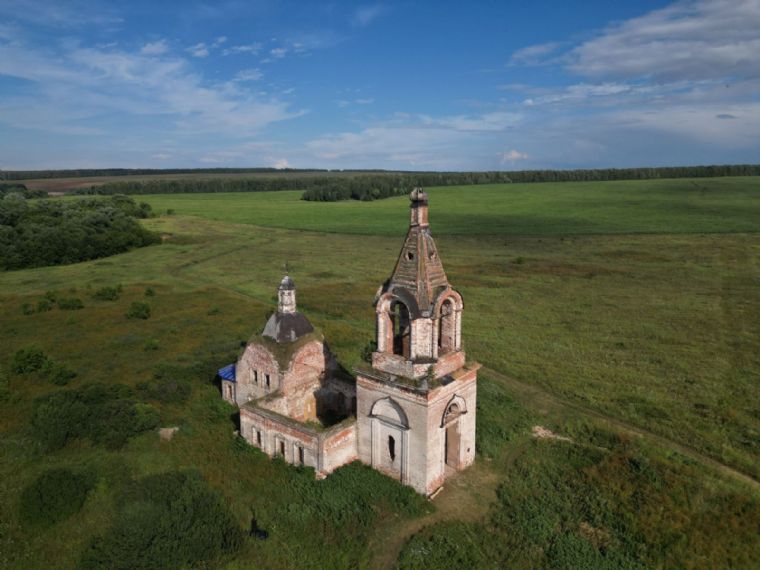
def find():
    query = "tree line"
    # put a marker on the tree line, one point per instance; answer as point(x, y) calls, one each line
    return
point(373, 185)
point(36, 233)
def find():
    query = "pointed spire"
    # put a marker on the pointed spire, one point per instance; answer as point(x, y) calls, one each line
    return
point(419, 269)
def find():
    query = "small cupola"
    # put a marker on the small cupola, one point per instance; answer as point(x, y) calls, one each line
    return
point(287, 324)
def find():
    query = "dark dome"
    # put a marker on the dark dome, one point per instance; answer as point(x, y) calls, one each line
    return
point(287, 327)
point(287, 284)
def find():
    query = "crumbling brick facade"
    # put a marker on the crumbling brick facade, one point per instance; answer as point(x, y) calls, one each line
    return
point(410, 415)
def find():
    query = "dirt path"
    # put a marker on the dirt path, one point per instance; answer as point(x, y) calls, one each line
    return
point(465, 496)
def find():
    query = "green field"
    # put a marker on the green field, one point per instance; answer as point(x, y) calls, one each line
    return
point(625, 315)
point(704, 205)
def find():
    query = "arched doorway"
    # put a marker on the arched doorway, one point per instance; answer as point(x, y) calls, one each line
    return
point(452, 436)
point(389, 438)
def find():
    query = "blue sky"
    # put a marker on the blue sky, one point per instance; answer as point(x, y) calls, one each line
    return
point(400, 85)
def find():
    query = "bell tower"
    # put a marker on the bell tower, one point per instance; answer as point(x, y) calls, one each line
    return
point(419, 314)
point(416, 403)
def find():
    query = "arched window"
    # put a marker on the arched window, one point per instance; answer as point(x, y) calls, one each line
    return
point(392, 448)
point(401, 329)
point(446, 328)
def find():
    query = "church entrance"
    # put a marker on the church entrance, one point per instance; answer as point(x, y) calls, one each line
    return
point(452, 445)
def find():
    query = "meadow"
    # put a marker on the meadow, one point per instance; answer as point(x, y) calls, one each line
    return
point(622, 315)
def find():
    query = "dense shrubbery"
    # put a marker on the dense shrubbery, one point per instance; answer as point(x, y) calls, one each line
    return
point(107, 293)
point(28, 360)
point(169, 385)
point(372, 185)
point(596, 503)
point(138, 310)
point(55, 232)
point(20, 190)
point(104, 414)
point(171, 520)
point(54, 496)
point(72, 304)
point(347, 499)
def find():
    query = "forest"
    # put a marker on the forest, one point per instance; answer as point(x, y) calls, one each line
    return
point(367, 186)
point(53, 232)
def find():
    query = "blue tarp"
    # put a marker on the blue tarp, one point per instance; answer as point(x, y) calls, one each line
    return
point(227, 372)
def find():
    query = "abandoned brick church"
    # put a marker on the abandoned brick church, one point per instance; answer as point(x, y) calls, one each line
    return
point(410, 415)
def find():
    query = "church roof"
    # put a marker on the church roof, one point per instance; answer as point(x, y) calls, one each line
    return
point(227, 372)
point(418, 273)
point(287, 327)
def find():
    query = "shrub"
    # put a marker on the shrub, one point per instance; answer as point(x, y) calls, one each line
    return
point(104, 414)
point(44, 305)
point(58, 374)
point(171, 520)
point(452, 545)
point(367, 351)
point(27, 309)
point(149, 292)
point(107, 293)
point(150, 344)
point(169, 385)
point(54, 496)
point(27, 360)
point(138, 310)
point(72, 304)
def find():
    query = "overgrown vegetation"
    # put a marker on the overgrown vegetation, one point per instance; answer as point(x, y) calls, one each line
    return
point(55, 232)
point(19, 190)
point(559, 322)
point(32, 359)
point(111, 293)
point(107, 414)
point(579, 505)
point(171, 520)
point(169, 385)
point(138, 310)
point(55, 495)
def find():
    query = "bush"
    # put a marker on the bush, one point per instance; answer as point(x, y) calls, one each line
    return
point(72, 304)
point(58, 374)
point(138, 310)
point(149, 292)
point(44, 305)
point(27, 360)
point(150, 344)
point(170, 385)
point(171, 520)
point(107, 293)
point(54, 496)
point(27, 309)
point(104, 414)
point(452, 545)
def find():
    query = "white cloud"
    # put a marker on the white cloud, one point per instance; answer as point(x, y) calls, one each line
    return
point(248, 75)
point(219, 41)
point(534, 55)
point(278, 53)
point(513, 156)
point(77, 85)
point(155, 48)
point(244, 48)
point(282, 163)
point(198, 50)
point(365, 15)
point(702, 39)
